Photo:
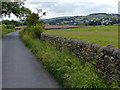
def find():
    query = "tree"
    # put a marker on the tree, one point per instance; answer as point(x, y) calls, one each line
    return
point(16, 8)
point(6, 22)
point(32, 19)
point(35, 25)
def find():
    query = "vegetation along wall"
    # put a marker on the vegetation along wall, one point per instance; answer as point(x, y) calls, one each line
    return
point(106, 59)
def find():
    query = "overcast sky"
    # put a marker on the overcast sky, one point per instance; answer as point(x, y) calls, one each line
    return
point(58, 8)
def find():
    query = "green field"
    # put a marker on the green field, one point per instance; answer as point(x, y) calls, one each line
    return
point(103, 35)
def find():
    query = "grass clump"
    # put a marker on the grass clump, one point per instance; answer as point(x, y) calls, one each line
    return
point(66, 68)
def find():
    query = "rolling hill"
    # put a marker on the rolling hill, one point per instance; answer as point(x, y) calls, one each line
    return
point(92, 19)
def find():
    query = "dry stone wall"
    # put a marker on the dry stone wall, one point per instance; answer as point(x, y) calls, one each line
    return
point(106, 59)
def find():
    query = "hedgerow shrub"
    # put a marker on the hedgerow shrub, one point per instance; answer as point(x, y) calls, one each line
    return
point(37, 30)
point(34, 25)
point(7, 29)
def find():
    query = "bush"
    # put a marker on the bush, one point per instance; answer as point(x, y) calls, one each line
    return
point(7, 29)
point(37, 30)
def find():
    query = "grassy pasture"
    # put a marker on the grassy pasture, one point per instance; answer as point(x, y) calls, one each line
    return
point(103, 35)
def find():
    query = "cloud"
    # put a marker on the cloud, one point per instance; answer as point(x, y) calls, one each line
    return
point(63, 8)
point(102, 9)
point(74, 7)
point(57, 8)
point(119, 8)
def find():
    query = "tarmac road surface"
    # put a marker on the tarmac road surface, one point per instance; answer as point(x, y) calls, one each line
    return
point(20, 69)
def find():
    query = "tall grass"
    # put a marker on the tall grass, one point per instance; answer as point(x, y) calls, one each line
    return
point(66, 68)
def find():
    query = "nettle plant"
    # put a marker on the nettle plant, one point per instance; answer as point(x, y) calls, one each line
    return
point(34, 24)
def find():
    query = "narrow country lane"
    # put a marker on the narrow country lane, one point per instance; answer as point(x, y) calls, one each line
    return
point(20, 69)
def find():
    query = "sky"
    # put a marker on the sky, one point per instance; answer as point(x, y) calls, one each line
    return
point(58, 8)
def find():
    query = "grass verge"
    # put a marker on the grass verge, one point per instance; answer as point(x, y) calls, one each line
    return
point(66, 68)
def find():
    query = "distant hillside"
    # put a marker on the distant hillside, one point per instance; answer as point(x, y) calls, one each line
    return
point(92, 19)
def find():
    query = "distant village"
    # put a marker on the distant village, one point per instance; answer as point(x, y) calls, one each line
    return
point(92, 19)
